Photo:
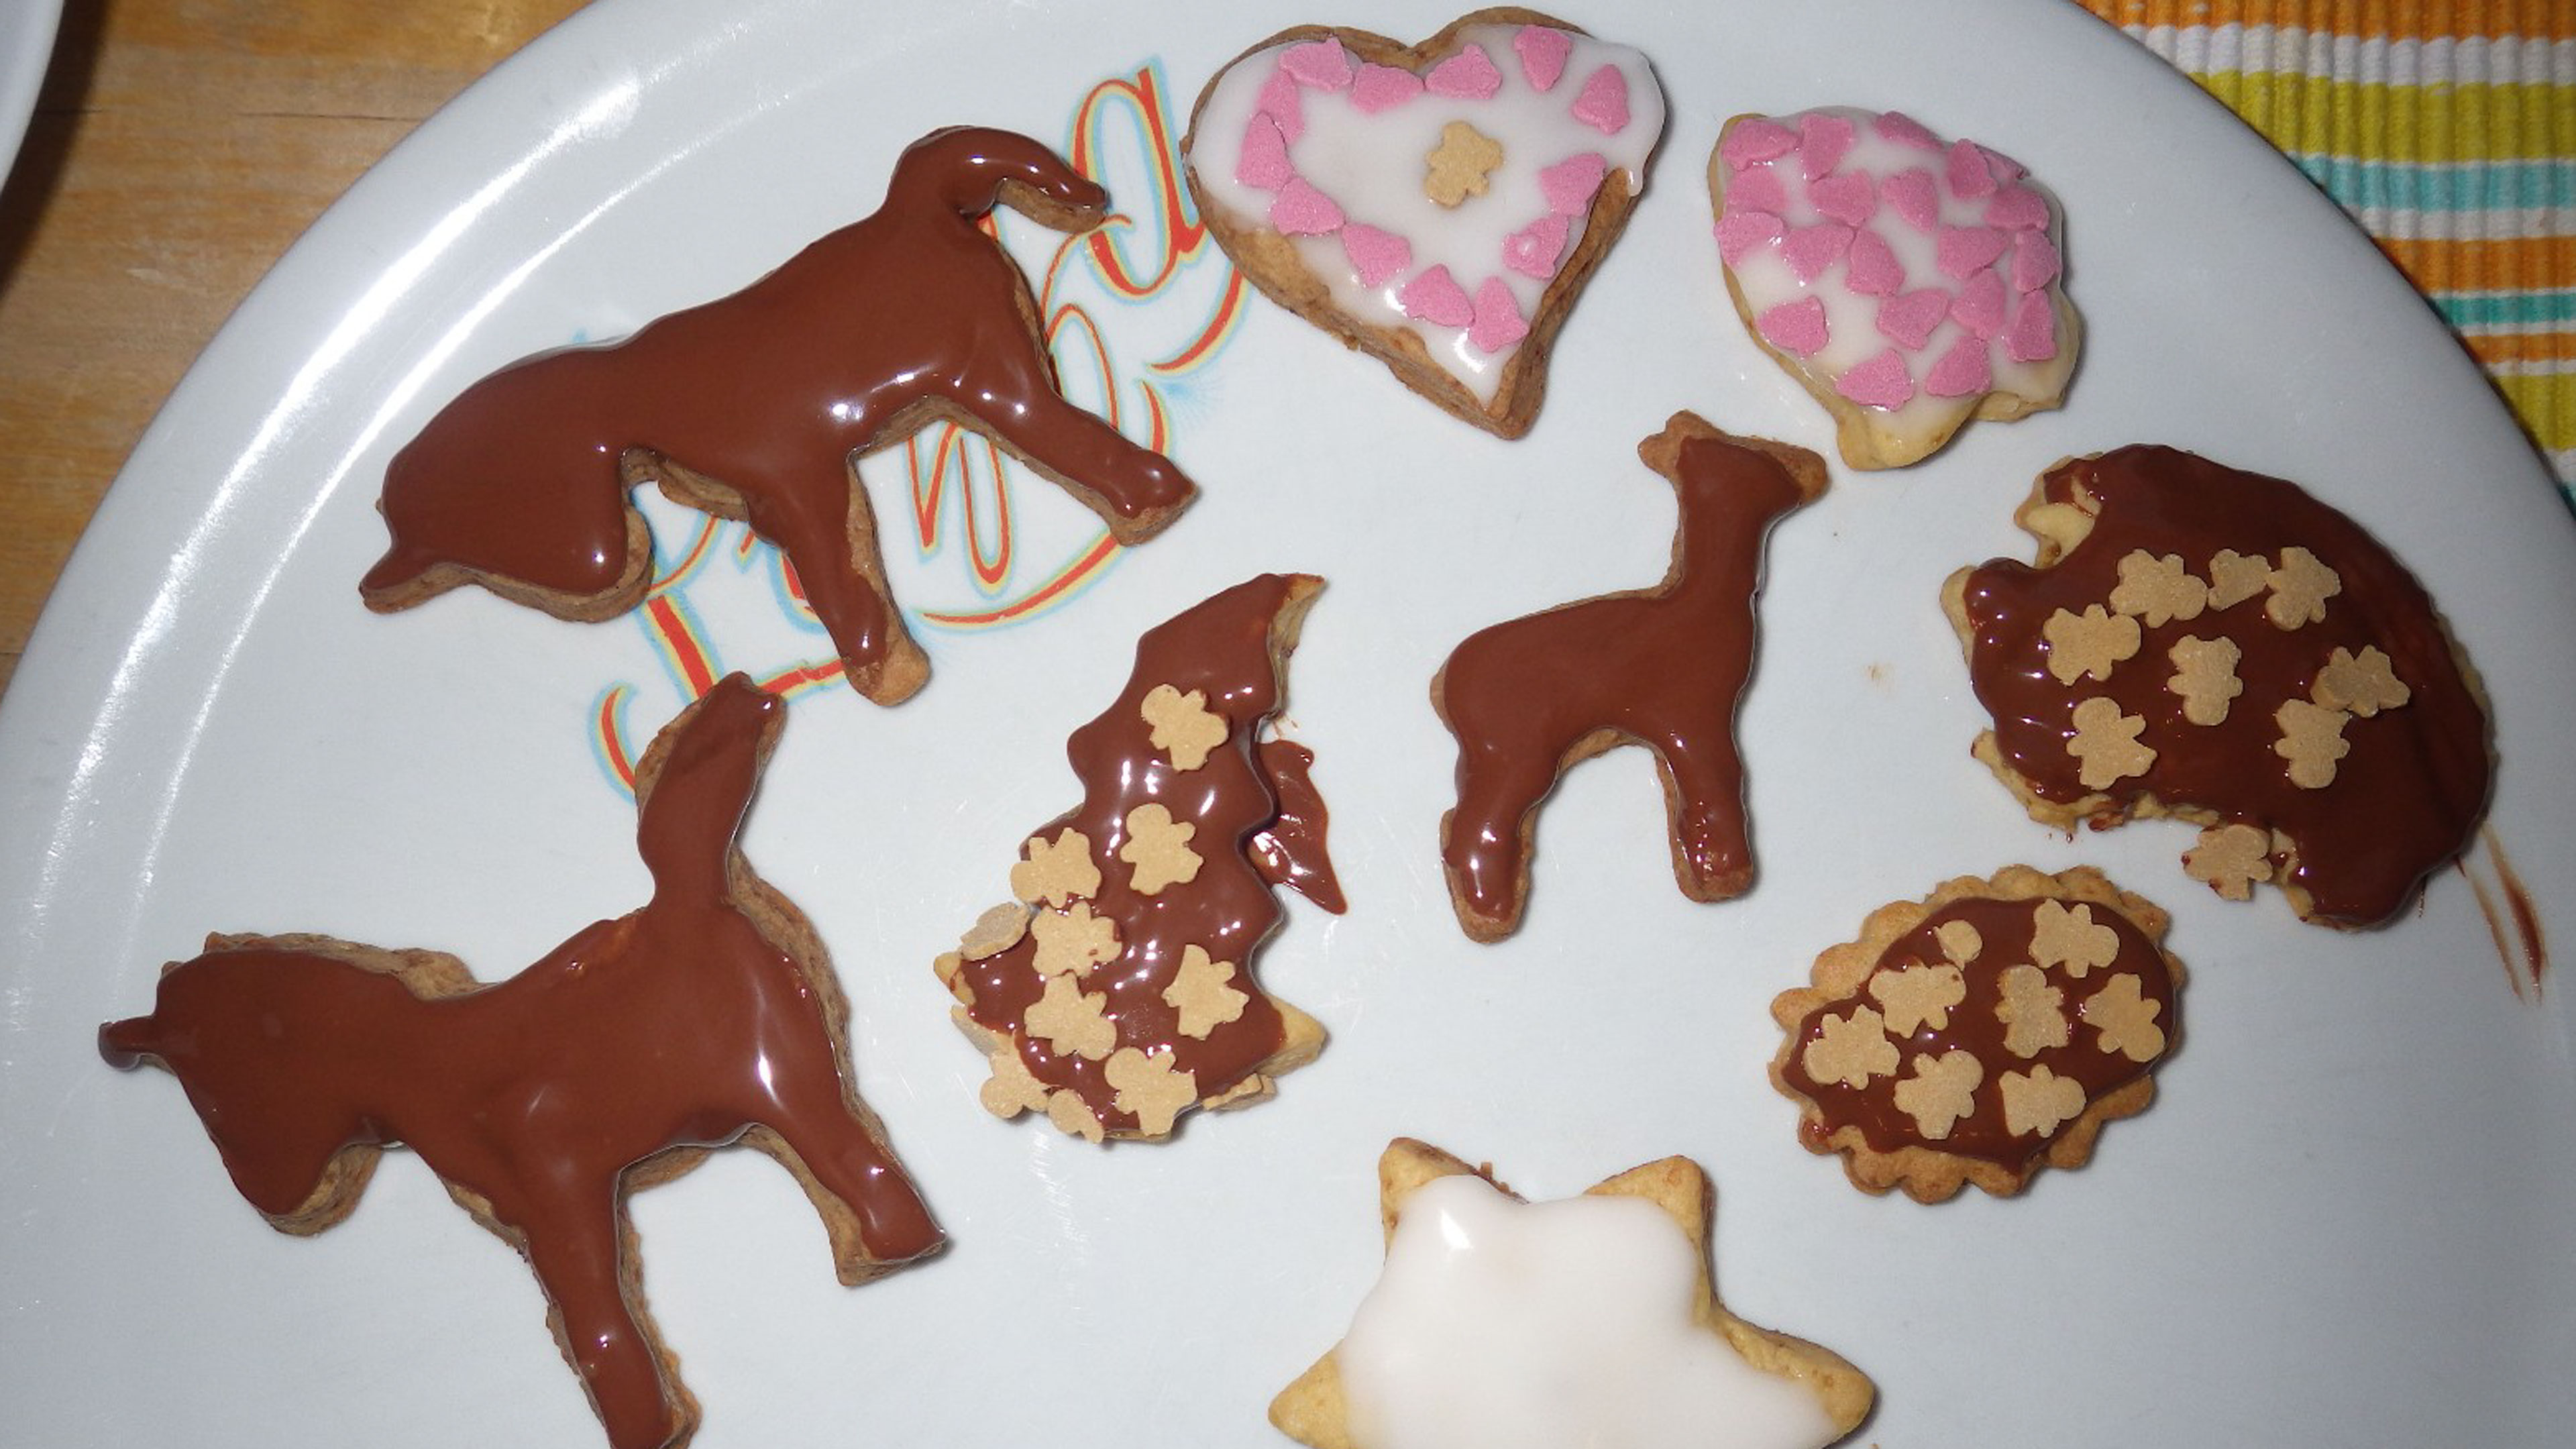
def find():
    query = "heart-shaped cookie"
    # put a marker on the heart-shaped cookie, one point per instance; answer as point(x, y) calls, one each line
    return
point(1437, 205)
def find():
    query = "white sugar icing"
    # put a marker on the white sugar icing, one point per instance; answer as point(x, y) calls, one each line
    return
point(1372, 167)
point(1499, 1324)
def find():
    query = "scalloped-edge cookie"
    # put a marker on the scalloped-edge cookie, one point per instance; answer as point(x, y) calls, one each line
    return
point(2198, 641)
point(1438, 206)
point(1505, 1324)
point(1907, 282)
point(1981, 1034)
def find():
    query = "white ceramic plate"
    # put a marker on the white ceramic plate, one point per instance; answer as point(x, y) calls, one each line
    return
point(26, 48)
point(2344, 1222)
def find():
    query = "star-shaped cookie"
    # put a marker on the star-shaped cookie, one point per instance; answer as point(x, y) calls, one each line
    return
point(1499, 1322)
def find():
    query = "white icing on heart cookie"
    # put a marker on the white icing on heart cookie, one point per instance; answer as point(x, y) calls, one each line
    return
point(1907, 281)
point(1500, 1324)
point(1445, 200)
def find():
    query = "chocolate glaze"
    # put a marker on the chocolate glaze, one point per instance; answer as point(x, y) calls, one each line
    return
point(1289, 851)
point(1661, 667)
point(754, 406)
point(2404, 801)
point(1224, 648)
point(540, 1099)
point(1972, 1026)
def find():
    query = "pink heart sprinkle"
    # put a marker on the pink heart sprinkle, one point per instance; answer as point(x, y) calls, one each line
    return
point(1301, 210)
point(2005, 168)
point(1874, 270)
point(1742, 233)
point(1383, 88)
point(1498, 323)
point(1904, 130)
point(1749, 143)
point(1881, 382)
point(1280, 101)
point(1533, 250)
point(1375, 255)
point(2017, 208)
point(1962, 371)
point(1811, 249)
point(1757, 188)
point(1915, 196)
point(1823, 141)
point(1964, 251)
point(1542, 52)
point(1848, 198)
point(1569, 185)
point(1264, 162)
point(1968, 174)
point(1908, 319)
point(1322, 64)
point(2033, 334)
point(1980, 307)
point(1435, 297)
point(2035, 261)
point(1604, 103)
point(1467, 76)
point(1795, 327)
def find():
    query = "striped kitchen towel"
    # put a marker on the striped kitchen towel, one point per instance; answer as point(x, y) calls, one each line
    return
point(2447, 128)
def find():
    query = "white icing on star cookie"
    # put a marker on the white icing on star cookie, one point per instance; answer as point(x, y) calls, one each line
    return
point(1499, 1324)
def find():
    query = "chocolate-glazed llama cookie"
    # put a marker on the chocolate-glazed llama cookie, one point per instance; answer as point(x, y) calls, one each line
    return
point(755, 406)
point(708, 1016)
point(1981, 1034)
point(1116, 993)
point(2203, 642)
point(1662, 668)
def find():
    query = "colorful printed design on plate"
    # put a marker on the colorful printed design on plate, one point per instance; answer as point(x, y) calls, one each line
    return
point(1152, 260)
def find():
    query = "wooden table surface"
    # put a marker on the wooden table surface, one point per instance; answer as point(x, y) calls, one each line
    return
point(178, 149)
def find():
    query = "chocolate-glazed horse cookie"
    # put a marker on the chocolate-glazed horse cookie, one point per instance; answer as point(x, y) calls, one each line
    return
point(710, 1015)
point(753, 407)
point(1660, 667)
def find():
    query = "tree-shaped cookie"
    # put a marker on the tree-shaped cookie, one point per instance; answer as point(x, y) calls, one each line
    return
point(1508, 1324)
point(1981, 1034)
point(1116, 992)
point(2198, 641)
point(708, 1016)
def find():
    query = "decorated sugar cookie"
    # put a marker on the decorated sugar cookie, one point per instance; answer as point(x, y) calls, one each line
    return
point(1660, 668)
point(1504, 1324)
point(1115, 993)
point(2207, 643)
point(1981, 1034)
point(707, 1016)
point(756, 407)
point(1908, 282)
point(1438, 205)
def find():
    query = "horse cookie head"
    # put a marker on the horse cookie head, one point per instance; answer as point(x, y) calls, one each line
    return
point(971, 169)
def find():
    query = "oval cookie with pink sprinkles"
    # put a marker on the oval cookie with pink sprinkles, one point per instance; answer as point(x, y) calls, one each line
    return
point(1439, 205)
point(1908, 282)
